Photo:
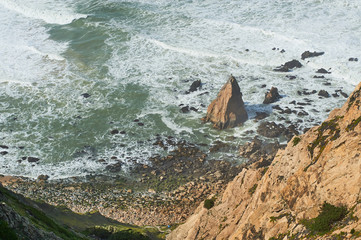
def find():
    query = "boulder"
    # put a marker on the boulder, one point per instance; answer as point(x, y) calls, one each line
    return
point(323, 71)
point(323, 93)
point(308, 54)
point(195, 86)
point(227, 110)
point(288, 66)
point(271, 96)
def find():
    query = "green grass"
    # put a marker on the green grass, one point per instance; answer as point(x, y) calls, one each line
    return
point(252, 190)
point(296, 140)
point(208, 203)
point(6, 233)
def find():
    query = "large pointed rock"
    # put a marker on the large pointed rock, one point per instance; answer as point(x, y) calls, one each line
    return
point(227, 110)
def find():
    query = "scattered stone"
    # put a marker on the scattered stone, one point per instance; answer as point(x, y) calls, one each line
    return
point(323, 71)
point(196, 85)
point(271, 96)
point(193, 109)
point(353, 59)
point(318, 76)
point(308, 54)
point(263, 85)
point(270, 129)
point(335, 95)
point(3, 153)
point(227, 110)
point(261, 115)
point(141, 124)
point(43, 177)
point(114, 131)
point(277, 107)
point(288, 66)
point(116, 167)
point(303, 113)
point(33, 159)
point(85, 95)
point(4, 147)
point(327, 84)
point(136, 120)
point(122, 132)
point(185, 109)
point(323, 93)
point(283, 51)
point(290, 77)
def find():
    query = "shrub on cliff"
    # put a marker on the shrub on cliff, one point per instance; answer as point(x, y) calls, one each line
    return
point(329, 214)
point(208, 203)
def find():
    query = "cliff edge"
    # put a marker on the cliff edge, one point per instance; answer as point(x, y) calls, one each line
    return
point(316, 177)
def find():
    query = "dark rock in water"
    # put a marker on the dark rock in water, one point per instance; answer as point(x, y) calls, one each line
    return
point(290, 77)
point(43, 177)
point(270, 129)
point(288, 66)
point(86, 95)
point(227, 110)
point(323, 71)
point(140, 124)
point(293, 102)
point(136, 120)
point(303, 113)
point(290, 132)
point(271, 96)
point(335, 95)
point(318, 76)
point(114, 167)
point(353, 59)
point(33, 159)
point(3, 153)
point(4, 147)
point(274, 49)
point(196, 85)
point(114, 131)
point(308, 54)
point(323, 93)
point(185, 109)
point(218, 145)
point(263, 85)
point(277, 107)
point(193, 109)
point(283, 51)
point(345, 95)
point(261, 115)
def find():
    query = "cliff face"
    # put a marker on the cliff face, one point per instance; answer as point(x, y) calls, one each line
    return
point(323, 165)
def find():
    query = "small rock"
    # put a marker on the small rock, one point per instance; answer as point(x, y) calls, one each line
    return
point(318, 76)
point(3, 153)
point(43, 177)
point(323, 93)
point(308, 54)
point(323, 71)
point(261, 115)
point(114, 131)
point(353, 59)
point(85, 95)
point(4, 147)
point(196, 85)
point(288, 66)
point(270, 129)
point(271, 96)
point(185, 109)
point(290, 77)
point(33, 159)
point(141, 124)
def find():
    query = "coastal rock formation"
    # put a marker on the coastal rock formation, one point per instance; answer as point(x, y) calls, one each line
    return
point(271, 96)
point(227, 110)
point(288, 66)
point(308, 54)
point(277, 202)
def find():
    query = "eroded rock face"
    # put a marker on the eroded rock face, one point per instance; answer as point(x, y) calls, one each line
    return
point(227, 110)
point(322, 165)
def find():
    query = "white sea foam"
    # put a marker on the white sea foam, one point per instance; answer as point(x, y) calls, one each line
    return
point(44, 10)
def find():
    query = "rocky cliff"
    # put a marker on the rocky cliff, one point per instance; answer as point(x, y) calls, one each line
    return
point(318, 170)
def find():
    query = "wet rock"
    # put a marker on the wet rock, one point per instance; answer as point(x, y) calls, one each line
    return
point(323, 93)
point(271, 96)
point(288, 66)
point(263, 85)
point(3, 153)
point(114, 131)
point(185, 109)
point(43, 177)
point(85, 95)
point(318, 76)
point(335, 95)
point(290, 77)
point(261, 115)
point(193, 109)
point(277, 107)
point(116, 167)
point(308, 54)
point(353, 59)
point(33, 159)
point(196, 85)
point(303, 113)
point(4, 147)
point(270, 129)
point(140, 124)
point(227, 110)
point(323, 71)
point(218, 145)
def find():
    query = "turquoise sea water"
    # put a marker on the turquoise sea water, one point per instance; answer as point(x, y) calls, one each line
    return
point(136, 60)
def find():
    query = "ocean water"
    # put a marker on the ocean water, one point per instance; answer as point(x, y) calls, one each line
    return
point(136, 59)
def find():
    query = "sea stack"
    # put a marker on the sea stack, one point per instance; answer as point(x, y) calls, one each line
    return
point(227, 110)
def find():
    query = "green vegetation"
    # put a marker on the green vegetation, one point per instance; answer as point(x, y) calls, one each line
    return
point(253, 189)
point(296, 140)
point(328, 131)
point(6, 233)
point(208, 203)
point(274, 219)
point(328, 215)
point(354, 96)
point(353, 124)
point(113, 234)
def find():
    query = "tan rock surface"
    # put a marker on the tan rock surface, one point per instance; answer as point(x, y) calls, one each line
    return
point(227, 110)
point(322, 165)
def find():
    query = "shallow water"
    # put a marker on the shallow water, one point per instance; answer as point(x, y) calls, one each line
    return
point(137, 59)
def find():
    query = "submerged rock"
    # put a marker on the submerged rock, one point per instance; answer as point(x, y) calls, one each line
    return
point(308, 54)
point(227, 110)
point(323, 93)
point(195, 86)
point(323, 71)
point(271, 96)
